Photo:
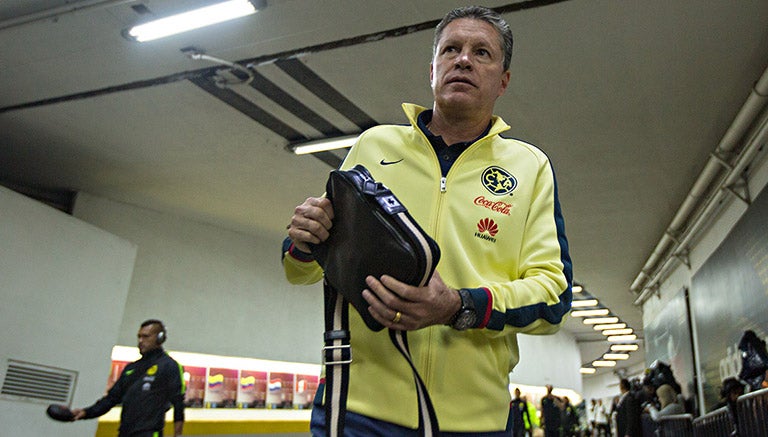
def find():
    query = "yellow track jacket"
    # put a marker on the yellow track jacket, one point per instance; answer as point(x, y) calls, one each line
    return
point(497, 220)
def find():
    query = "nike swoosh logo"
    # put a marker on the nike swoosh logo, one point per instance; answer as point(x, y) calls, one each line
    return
point(383, 162)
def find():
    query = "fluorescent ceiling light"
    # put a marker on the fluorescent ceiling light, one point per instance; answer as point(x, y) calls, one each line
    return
point(598, 320)
point(577, 289)
point(584, 303)
point(603, 363)
point(589, 313)
point(629, 337)
point(609, 326)
point(324, 145)
point(624, 347)
point(587, 370)
point(190, 20)
point(616, 356)
point(618, 331)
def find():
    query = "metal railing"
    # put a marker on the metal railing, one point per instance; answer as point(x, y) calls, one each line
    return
point(717, 423)
point(677, 425)
point(752, 414)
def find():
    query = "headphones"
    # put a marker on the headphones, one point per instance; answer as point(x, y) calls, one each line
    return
point(163, 334)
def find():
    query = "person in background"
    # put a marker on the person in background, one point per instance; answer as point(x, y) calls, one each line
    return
point(730, 391)
point(647, 394)
point(569, 418)
point(627, 412)
point(532, 418)
point(612, 415)
point(520, 415)
point(602, 427)
point(754, 360)
point(551, 407)
point(591, 428)
point(502, 271)
point(669, 403)
point(146, 389)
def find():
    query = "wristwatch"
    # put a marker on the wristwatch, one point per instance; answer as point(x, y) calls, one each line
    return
point(466, 316)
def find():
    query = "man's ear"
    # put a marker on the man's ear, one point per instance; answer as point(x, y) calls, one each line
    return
point(504, 82)
point(431, 73)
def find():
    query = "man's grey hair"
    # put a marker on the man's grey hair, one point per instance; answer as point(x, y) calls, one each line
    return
point(483, 14)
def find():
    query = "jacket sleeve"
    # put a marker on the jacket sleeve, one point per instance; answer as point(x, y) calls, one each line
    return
point(300, 268)
point(113, 397)
point(176, 389)
point(537, 300)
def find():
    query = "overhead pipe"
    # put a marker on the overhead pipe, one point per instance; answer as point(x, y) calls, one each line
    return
point(741, 123)
point(759, 138)
point(54, 13)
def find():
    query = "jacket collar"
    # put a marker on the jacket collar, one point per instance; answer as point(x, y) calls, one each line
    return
point(412, 111)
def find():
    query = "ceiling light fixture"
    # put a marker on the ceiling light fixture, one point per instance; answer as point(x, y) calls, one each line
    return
point(323, 145)
point(624, 347)
point(598, 320)
point(193, 19)
point(587, 370)
point(589, 313)
point(584, 303)
point(577, 289)
point(603, 363)
point(616, 356)
point(618, 331)
point(629, 337)
point(609, 326)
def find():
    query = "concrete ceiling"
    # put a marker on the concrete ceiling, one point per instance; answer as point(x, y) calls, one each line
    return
point(628, 98)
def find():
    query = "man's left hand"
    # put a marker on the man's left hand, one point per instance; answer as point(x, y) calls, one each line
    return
point(398, 305)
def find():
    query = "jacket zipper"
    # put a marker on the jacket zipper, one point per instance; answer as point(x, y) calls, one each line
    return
point(427, 375)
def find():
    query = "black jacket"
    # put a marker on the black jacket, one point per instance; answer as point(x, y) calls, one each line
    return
point(628, 416)
point(147, 388)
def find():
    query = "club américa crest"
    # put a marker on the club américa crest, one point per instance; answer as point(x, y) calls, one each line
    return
point(498, 181)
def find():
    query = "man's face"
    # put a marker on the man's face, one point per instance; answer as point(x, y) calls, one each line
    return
point(467, 71)
point(148, 338)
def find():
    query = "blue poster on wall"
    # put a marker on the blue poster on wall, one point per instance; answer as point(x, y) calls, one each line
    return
point(729, 294)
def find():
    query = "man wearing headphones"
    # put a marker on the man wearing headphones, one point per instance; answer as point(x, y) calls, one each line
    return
point(146, 389)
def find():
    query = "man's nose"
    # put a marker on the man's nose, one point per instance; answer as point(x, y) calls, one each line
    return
point(464, 60)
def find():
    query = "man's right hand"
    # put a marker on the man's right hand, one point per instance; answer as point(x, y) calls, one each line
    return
point(311, 222)
point(79, 413)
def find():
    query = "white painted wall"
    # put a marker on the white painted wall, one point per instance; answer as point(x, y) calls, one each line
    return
point(63, 284)
point(219, 292)
point(548, 359)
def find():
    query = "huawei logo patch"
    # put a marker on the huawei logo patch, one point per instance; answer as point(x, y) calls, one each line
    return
point(487, 230)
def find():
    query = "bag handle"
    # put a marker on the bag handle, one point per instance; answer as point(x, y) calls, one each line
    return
point(337, 356)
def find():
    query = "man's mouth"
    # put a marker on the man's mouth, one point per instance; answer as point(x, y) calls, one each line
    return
point(460, 80)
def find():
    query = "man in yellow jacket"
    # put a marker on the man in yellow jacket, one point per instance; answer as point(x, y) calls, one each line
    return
point(491, 204)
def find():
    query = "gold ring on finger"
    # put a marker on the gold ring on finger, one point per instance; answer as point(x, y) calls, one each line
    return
point(397, 318)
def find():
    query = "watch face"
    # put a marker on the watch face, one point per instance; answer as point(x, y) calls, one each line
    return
point(465, 320)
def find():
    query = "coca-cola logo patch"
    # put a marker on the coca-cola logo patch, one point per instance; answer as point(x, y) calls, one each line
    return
point(494, 205)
